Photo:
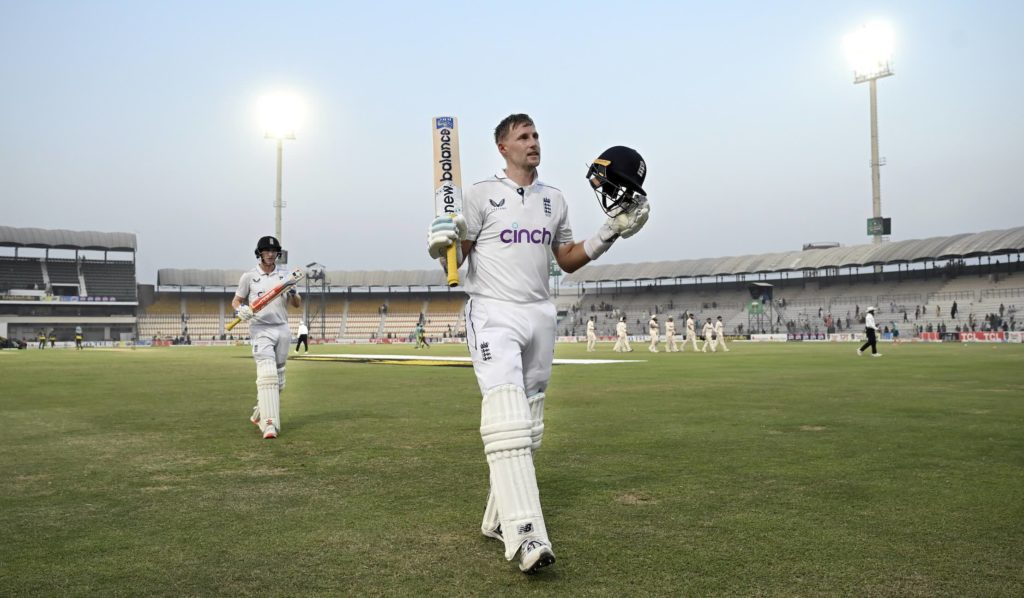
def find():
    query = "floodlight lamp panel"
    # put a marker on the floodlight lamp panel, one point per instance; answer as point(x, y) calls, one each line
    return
point(280, 114)
point(869, 51)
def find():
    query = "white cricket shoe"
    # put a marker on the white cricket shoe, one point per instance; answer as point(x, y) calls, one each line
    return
point(255, 417)
point(860, 352)
point(535, 555)
point(876, 354)
point(270, 432)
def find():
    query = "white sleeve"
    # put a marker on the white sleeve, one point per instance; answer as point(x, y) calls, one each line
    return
point(563, 232)
point(471, 211)
point(243, 287)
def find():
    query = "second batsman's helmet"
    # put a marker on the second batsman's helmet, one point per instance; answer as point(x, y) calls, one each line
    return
point(617, 176)
point(268, 243)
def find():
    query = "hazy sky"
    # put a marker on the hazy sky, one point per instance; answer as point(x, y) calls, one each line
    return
point(140, 117)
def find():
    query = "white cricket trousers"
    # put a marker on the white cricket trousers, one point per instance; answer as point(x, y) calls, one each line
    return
point(511, 343)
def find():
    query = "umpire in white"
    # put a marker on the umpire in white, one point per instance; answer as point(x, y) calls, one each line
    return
point(511, 225)
point(871, 328)
point(269, 331)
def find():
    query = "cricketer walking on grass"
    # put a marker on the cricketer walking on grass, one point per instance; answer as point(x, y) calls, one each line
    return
point(268, 328)
point(652, 330)
point(670, 336)
point(591, 334)
point(691, 332)
point(512, 223)
point(720, 334)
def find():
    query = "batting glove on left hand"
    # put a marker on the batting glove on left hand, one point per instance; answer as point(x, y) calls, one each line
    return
point(627, 224)
point(244, 313)
point(444, 231)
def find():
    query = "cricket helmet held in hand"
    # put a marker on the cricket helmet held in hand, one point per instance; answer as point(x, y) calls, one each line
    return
point(617, 176)
point(268, 243)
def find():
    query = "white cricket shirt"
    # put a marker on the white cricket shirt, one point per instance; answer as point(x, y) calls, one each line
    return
point(514, 229)
point(254, 284)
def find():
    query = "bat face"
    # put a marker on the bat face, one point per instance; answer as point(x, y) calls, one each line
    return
point(295, 276)
point(447, 168)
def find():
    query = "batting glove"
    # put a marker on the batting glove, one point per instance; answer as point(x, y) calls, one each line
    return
point(629, 223)
point(624, 224)
point(244, 313)
point(444, 231)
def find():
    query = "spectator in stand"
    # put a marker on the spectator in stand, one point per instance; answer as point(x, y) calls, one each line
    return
point(953, 310)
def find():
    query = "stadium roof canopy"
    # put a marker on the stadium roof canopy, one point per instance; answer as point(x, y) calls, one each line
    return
point(996, 242)
point(66, 239)
point(988, 243)
point(335, 278)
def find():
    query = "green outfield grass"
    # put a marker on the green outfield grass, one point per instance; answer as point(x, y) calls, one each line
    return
point(773, 470)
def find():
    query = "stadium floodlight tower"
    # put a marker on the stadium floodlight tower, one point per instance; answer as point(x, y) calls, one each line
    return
point(869, 50)
point(280, 114)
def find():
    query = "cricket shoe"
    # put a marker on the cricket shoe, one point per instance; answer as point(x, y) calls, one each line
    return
point(876, 354)
point(534, 555)
point(270, 432)
point(493, 533)
point(860, 352)
point(255, 417)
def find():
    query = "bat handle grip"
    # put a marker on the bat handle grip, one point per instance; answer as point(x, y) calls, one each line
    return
point(233, 323)
point(453, 266)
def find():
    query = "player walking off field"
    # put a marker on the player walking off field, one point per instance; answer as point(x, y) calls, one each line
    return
point(303, 337)
point(269, 331)
point(708, 332)
point(421, 337)
point(670, 336)
point(511, 224)
point(871, 329)
point(78, 338)
point(591, 334)
point(652, 330)
point(720, 334)
point(622, 342)
point(691, 332)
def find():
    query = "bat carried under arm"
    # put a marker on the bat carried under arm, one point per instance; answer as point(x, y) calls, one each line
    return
point(261, 302)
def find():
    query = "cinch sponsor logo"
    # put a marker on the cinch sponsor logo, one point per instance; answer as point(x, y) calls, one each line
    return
point(540, 236)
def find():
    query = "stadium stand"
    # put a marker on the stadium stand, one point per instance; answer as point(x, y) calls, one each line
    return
point(110, 279)
point(814, 290)
point(89, 288)
point(20, 273)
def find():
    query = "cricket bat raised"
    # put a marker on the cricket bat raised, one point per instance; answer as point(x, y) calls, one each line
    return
point(447, 180)
point(262, 301)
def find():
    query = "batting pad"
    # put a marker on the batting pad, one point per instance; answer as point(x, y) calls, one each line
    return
point(280, 378)
point(267, 394)
point(536, 402)
point(505, 427)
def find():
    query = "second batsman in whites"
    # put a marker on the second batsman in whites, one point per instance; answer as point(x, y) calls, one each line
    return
point(268, 328)
point(652, 329)
point(511, 225)
point(591, 334)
